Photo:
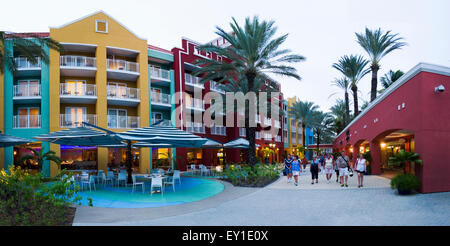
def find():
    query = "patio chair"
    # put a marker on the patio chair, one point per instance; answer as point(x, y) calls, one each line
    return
point(176, 175)
point(110, 176)
point(193, 169)
point(156, 182)
point(137, 183)
point(90, 182)
point(107, 179)
point(100, 176)
point(203, 170)
point(122, 177)
point(170, 181)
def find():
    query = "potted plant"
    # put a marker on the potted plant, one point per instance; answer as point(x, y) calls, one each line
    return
point(405, 183)
point(403, 159)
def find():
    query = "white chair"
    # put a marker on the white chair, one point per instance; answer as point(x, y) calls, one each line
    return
point(90, 182)
point(156, 182)
point(100, 177)
point(110, 177)
point(176, 175)
point(193, 169)
point(121, 177)
point(204, 170)
point(138, 183)
point(170, 181)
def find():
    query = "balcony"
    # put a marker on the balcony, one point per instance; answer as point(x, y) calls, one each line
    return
point(77, 93)
point(195, 104)
point(267, 136)
point(192, 82)
point(72, 120)
point(257, 135)
point(294, 141)
point(242, 132)
point(162, 122)
point(277, 123)
point(195, 127)
point(81, 66)
point(219, 130)
point(123, 96)
point(26, 68)
point(27, 93)
point(26, 121)
point(160, 100)
point(123, 122)
point(267, 121)
point(293, 128)
point(158, 75)
point(214, 86)
point(122, 70)
point(278, 139)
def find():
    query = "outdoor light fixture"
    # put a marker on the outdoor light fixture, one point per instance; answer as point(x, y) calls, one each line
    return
point(383, 145)
point(440, 88)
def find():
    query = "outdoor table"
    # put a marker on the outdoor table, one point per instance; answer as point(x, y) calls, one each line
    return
point(155, 176)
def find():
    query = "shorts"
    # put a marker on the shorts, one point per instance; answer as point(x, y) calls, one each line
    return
point(360, 171)
point(296, 173)
point(343, 171)
point(329, 170)
point(288, 171)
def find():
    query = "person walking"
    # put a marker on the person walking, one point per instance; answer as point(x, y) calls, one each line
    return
point(288, 167)
point(336, 169)
point(296, 168)
point(328, 167)
point(304, 162)
point(314, 168)
point(322, 162)
point(360, 167)
point(343, 164)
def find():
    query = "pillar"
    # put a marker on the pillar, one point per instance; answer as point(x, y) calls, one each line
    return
point(375, 152)
point(53, 167)
point(102, 159)
point(144, 160)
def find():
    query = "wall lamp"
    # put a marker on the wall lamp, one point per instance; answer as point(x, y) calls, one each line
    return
point(440, 88)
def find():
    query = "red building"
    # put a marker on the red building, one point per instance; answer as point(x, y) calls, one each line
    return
point(413, 114)
point(188, 89)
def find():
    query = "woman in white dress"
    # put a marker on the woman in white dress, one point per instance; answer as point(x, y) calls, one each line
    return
point(329, 167)
point(360, 167)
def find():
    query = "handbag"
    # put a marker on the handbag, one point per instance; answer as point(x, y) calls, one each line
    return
point(350, 172)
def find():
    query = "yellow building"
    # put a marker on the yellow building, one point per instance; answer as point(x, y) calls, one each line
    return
point(295, 132)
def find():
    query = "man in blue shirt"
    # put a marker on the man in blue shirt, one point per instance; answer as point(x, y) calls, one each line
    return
point(288, 167)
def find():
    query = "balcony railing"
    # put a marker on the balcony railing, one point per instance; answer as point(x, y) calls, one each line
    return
point(163, 122)
point(195, 127)
point(28, 90)
point(277, 124)
point(214, 86)
point(122, 65)
point(115, 121)
point(195, 103)
point(24, 63)
point(278, 139)
point(160, 98)
point(193, 80)
point(267, 136)
point(159, 73)
point(78, 61)
point(242, 132)
point(294, 140)
point(67, 89)
point(286, 140)
point(293, 128)
point(258, 135)
point(267, 121)
point(72, 120)
point(120, 92)
point(26, 121)
point(219, 130)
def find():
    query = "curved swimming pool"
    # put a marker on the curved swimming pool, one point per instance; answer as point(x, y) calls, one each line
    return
point(190, 190)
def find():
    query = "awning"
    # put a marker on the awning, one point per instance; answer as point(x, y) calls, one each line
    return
point(82, 136)
point(9, 140)
point(238, 143)
point(212, 144)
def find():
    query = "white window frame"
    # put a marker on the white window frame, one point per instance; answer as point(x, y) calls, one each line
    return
point(96, 26)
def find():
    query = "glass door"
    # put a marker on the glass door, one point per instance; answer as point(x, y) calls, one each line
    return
point(117, 118)
point(75, 116)
point(75, 87)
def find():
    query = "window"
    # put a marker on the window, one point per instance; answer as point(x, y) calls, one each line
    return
point(116, 89)
point(75, 87)
point(75, 116)
point(101, 26)
point(117, 118)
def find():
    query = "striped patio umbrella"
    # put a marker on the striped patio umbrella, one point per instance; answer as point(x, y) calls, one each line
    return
point(238, 143)
point(82, 136)
point(212, 144)
point(9, 140)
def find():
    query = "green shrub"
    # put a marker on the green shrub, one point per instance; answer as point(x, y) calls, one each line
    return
point(405, 183)
point(257, 176)
point(25, 199)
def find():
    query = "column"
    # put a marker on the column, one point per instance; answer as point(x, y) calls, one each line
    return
point(144, 160)
point(53, 167)
point(102, 159)
point(375, 152)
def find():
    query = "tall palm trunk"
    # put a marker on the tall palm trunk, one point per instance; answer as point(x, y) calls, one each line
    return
point(355, 99)
point(250, 130)
point(347, 109)
point(373, 90)
point(303, 138)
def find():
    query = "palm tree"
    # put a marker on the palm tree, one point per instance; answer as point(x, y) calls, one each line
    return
point(389, 78)
point(321, 123)
point(378, 44)
point(29, 46)
point(253, 54)
point(344, 84)
point(353, 67)
point(338, 112)
point(303, 112)
point(40, 157)
point(403, 158)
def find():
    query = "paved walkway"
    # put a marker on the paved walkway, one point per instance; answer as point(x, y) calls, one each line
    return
point(285, 204)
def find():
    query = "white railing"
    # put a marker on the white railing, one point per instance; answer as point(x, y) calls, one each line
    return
point(115, 121)
point(159, 73)
point(121, 92)
point(277, 124)
point(72, 120)
point(294, 140)
point(258, 135)
point(277, 138)
point(242, 132)
point(195, 127)
point(195, 103)
point(67, 89)
point(78, 61)
point(28, 90)
point(286, 140)
point(192, 80)
point(293, 128)
point(26, 121)
point(219, 130)
point(162, 122)
point(214, 86)
point(122, 65)
point(24, 63)
point(267, 136)
point(160, 98)
point(267, 121)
